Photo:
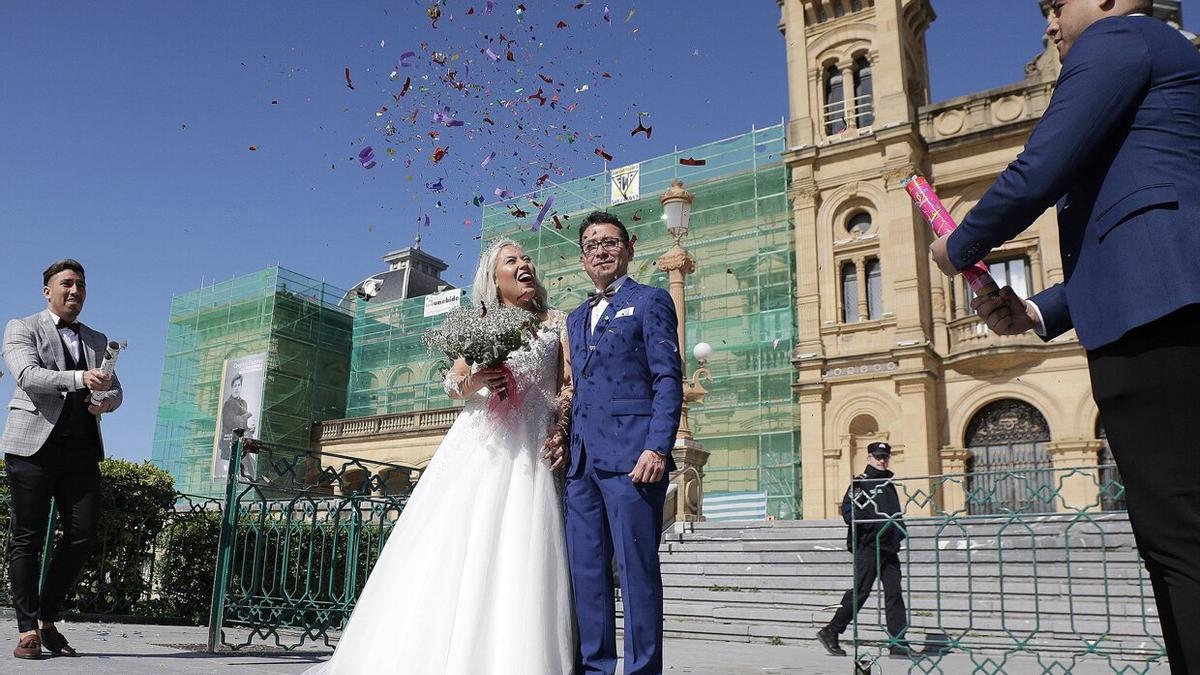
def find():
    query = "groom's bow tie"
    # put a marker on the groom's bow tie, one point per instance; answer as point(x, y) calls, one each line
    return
point(594, 297)
point(72, 326)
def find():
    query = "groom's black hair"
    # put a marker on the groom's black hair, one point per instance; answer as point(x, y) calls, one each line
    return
point(598, 217)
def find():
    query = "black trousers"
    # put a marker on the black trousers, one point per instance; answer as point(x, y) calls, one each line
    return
point(1147, 386)
point(867, 567)
point(71, 476)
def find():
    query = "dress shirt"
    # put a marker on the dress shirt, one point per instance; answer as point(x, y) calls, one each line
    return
point(71, 339)
point(598, 310)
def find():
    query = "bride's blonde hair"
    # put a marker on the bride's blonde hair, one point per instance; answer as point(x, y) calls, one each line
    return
point(485, 289)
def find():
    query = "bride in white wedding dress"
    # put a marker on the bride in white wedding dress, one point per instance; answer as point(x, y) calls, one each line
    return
point(473, 579)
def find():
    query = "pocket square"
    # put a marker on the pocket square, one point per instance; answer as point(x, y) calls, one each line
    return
point(628, 311)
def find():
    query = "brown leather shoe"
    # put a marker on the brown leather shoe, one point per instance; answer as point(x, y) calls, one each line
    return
point(29, 647)
point(56, 643)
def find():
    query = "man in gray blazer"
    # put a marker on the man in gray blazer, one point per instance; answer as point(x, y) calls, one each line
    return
point(52, 448)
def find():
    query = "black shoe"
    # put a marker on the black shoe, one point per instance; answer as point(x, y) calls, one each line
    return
point(829, 640)
point(902, 651)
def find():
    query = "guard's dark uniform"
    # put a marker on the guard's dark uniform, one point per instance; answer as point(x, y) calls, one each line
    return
point(872, 498)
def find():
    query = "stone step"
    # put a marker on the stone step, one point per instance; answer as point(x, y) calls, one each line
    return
point(978, 585)
point(686, 555)
point(1043, 571)
point(977, 640)
point(927, 603)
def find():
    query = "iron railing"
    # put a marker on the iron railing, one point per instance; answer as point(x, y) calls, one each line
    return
point(1017, 589)
point(146, 565)
point(297, 543)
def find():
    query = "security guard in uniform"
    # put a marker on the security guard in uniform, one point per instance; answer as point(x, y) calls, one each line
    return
point(871, 509)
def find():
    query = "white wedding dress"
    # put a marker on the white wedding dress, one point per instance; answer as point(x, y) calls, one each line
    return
point(473, 579)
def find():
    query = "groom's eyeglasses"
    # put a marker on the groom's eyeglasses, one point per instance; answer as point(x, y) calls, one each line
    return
point(610, 244)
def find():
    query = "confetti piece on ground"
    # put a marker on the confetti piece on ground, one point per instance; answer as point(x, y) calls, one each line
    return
point(641, 129)
point(404, 59)
point(607, 15)
point(607, 157)
point(254, 148)
point(440, 153)
point(348, 82)
point(491, 54)
point(504, 194)
point(630, 14)
point(488, 160)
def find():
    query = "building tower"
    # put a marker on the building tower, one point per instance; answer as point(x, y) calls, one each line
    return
point(888, 348)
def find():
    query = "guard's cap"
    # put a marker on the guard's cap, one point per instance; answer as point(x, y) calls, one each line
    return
point(879, 449)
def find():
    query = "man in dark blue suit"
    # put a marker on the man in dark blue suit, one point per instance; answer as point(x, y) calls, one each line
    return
point(1119, 150)
point(628, 394)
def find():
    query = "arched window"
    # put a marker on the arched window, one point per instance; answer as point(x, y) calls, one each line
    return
point(874, 289)
point(859, 223)
point(835, 101)
point(864, 105)
point(400, 392)
point(849, 292)
point(838, 9)
point(1010, 466)
point(855, 5)
point(1112, 488)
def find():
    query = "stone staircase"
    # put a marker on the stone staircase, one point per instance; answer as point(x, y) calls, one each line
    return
point(1045, 583)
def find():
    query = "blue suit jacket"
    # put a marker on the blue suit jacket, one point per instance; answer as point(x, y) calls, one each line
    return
point(1119, 150)
point(628, 380)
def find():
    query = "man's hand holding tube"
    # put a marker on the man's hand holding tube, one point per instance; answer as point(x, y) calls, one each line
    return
point(1008, 313)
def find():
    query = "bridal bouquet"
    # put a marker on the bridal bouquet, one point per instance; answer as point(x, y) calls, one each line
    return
point(484, 336)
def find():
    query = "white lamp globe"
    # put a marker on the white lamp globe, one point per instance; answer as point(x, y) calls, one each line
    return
point(702, 351)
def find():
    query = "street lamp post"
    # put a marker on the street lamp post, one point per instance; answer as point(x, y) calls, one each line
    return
point(690, 455)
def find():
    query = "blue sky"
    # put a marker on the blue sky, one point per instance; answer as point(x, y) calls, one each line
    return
point(127, 128)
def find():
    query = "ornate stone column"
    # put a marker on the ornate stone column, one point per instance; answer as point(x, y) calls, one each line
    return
point(1076, 474)
point(690, 456)
point(850, 107)
point(952, 488)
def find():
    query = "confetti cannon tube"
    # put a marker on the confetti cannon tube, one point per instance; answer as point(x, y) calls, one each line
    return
point(108, 366)
point(939, 219)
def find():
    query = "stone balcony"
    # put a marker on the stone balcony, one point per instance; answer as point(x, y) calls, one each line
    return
point(974, 348)
point(1011, 105)
point(380, 426)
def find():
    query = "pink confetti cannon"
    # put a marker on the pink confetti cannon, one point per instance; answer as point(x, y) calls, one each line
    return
point(939, 219)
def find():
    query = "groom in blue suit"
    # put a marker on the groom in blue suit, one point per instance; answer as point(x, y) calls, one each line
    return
point(627, 375)
point(1119, 150)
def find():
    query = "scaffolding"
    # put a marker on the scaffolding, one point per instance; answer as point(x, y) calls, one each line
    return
point(391, 370)
point(739, 299)
point(303, 325)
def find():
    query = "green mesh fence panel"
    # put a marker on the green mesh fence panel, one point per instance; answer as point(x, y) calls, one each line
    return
point(739, 299)
point(301, 324)
point(390, 369)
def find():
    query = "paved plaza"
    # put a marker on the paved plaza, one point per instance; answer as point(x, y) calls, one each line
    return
point(128, 649)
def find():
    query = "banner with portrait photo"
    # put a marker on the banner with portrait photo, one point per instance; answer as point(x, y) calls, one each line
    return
point(240, 407)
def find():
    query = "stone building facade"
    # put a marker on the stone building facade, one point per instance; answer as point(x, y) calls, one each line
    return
point(888, 348)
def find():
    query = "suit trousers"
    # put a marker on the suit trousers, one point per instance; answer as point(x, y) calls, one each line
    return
point(1145, 385)
point(71, 475)
point(607, 513)
point(869, 564)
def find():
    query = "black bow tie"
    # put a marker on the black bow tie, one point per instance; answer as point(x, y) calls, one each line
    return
point(595, 297)
point(72, 326)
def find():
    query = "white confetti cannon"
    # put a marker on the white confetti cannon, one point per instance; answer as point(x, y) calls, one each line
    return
point(108, 366)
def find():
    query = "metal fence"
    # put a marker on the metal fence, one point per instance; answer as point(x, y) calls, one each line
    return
point(146, 565)
point(297, 543)
point(1017, 590)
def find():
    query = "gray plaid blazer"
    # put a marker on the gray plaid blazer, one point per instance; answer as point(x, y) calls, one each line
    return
point(33, 353)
